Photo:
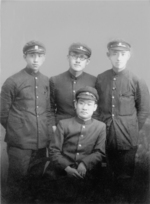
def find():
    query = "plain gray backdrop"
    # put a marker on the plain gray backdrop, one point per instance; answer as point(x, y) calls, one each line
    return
point(59, 23)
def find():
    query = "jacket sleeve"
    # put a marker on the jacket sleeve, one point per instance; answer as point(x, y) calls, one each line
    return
point(59, 160)
point(98, 152)
point(7, 97)
point(52, 101)
point(98, 114)
point(49, 116)
point(142, 103)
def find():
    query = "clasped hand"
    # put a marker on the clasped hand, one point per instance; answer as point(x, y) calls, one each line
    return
point(80, 172)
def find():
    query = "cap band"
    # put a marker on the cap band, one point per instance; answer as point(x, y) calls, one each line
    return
point(118, 45)
point(79, 48)
point(34, 47)
point(87, 95)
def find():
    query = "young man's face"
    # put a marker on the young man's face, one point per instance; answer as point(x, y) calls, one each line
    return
point(119, 58)
point(34, 60)
point(78, 62)
point(85, 108)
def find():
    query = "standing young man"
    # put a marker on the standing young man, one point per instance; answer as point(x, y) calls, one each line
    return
point(25, 115)
point(78, 145)
point(124, 107)
point(64, 86)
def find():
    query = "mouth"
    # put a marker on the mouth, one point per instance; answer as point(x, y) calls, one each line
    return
point(35, 65)
point(77, 65)
point(84, 113)
point(119, 62)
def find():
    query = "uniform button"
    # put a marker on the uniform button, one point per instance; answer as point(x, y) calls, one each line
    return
point(74, 91)
point(36, 78)
point(113, 115)
point(37, 116)
point(114, 79)
point(81, 135)
point(113, 106)
point(83, 126)
point(113, 97)
point(74, 100)
point(37, 97)
point(114, 88)
point(37, 106)
point(74, 82)
point(80, 145)
point(36, 87)
point(77, 153)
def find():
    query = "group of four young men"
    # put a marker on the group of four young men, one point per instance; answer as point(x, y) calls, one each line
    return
point(38, 113)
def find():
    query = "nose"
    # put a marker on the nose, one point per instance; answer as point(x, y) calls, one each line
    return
point(85, 106)
point(35, 58)
point(77, 59)
point(118, 55)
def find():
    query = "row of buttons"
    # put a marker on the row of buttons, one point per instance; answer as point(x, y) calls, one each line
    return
point(113, 88)
point(74, 91)
point(37, 97)
point(80, 144)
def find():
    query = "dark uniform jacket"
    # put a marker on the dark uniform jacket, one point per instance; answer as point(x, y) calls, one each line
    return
point(124, 104)
point(77, 141)
point(25, 110)
point(63, 88)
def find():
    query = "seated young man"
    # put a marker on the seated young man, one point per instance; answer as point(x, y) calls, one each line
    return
point(78, 145)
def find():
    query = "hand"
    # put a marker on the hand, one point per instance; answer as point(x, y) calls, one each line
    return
point(81, 169)
point(72, 172)
point(54, 128)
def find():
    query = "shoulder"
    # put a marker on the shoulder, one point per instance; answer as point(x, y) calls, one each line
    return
point(85, 74)
point(13, 79)
point(105, 73)
point(99, 123)
point(59, 76)
point(44, 78)
point(136, 79)
point(66, 122)
point(88, 78)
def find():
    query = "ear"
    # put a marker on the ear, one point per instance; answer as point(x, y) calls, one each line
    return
point(88, 61)
point(24, 56)
point(108, 54)
point(75, 104)
point(95, 107)
point(129, 55)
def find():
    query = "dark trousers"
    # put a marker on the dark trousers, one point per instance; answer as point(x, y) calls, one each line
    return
point(121, 164)
point(19, 180)
point(61, 188)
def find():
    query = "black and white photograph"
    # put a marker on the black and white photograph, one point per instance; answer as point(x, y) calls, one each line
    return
point(75, 102)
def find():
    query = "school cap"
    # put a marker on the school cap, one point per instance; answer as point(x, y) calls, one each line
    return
point(34, 47)
point(88, 93)
point(119, 45)
point(80, 49)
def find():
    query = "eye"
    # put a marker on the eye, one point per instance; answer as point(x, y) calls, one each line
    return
point(80, 102)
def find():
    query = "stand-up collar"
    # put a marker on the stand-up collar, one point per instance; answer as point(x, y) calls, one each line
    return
point(123, 72)
point(30, 71)
point(87, 122)
point(74, 77)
